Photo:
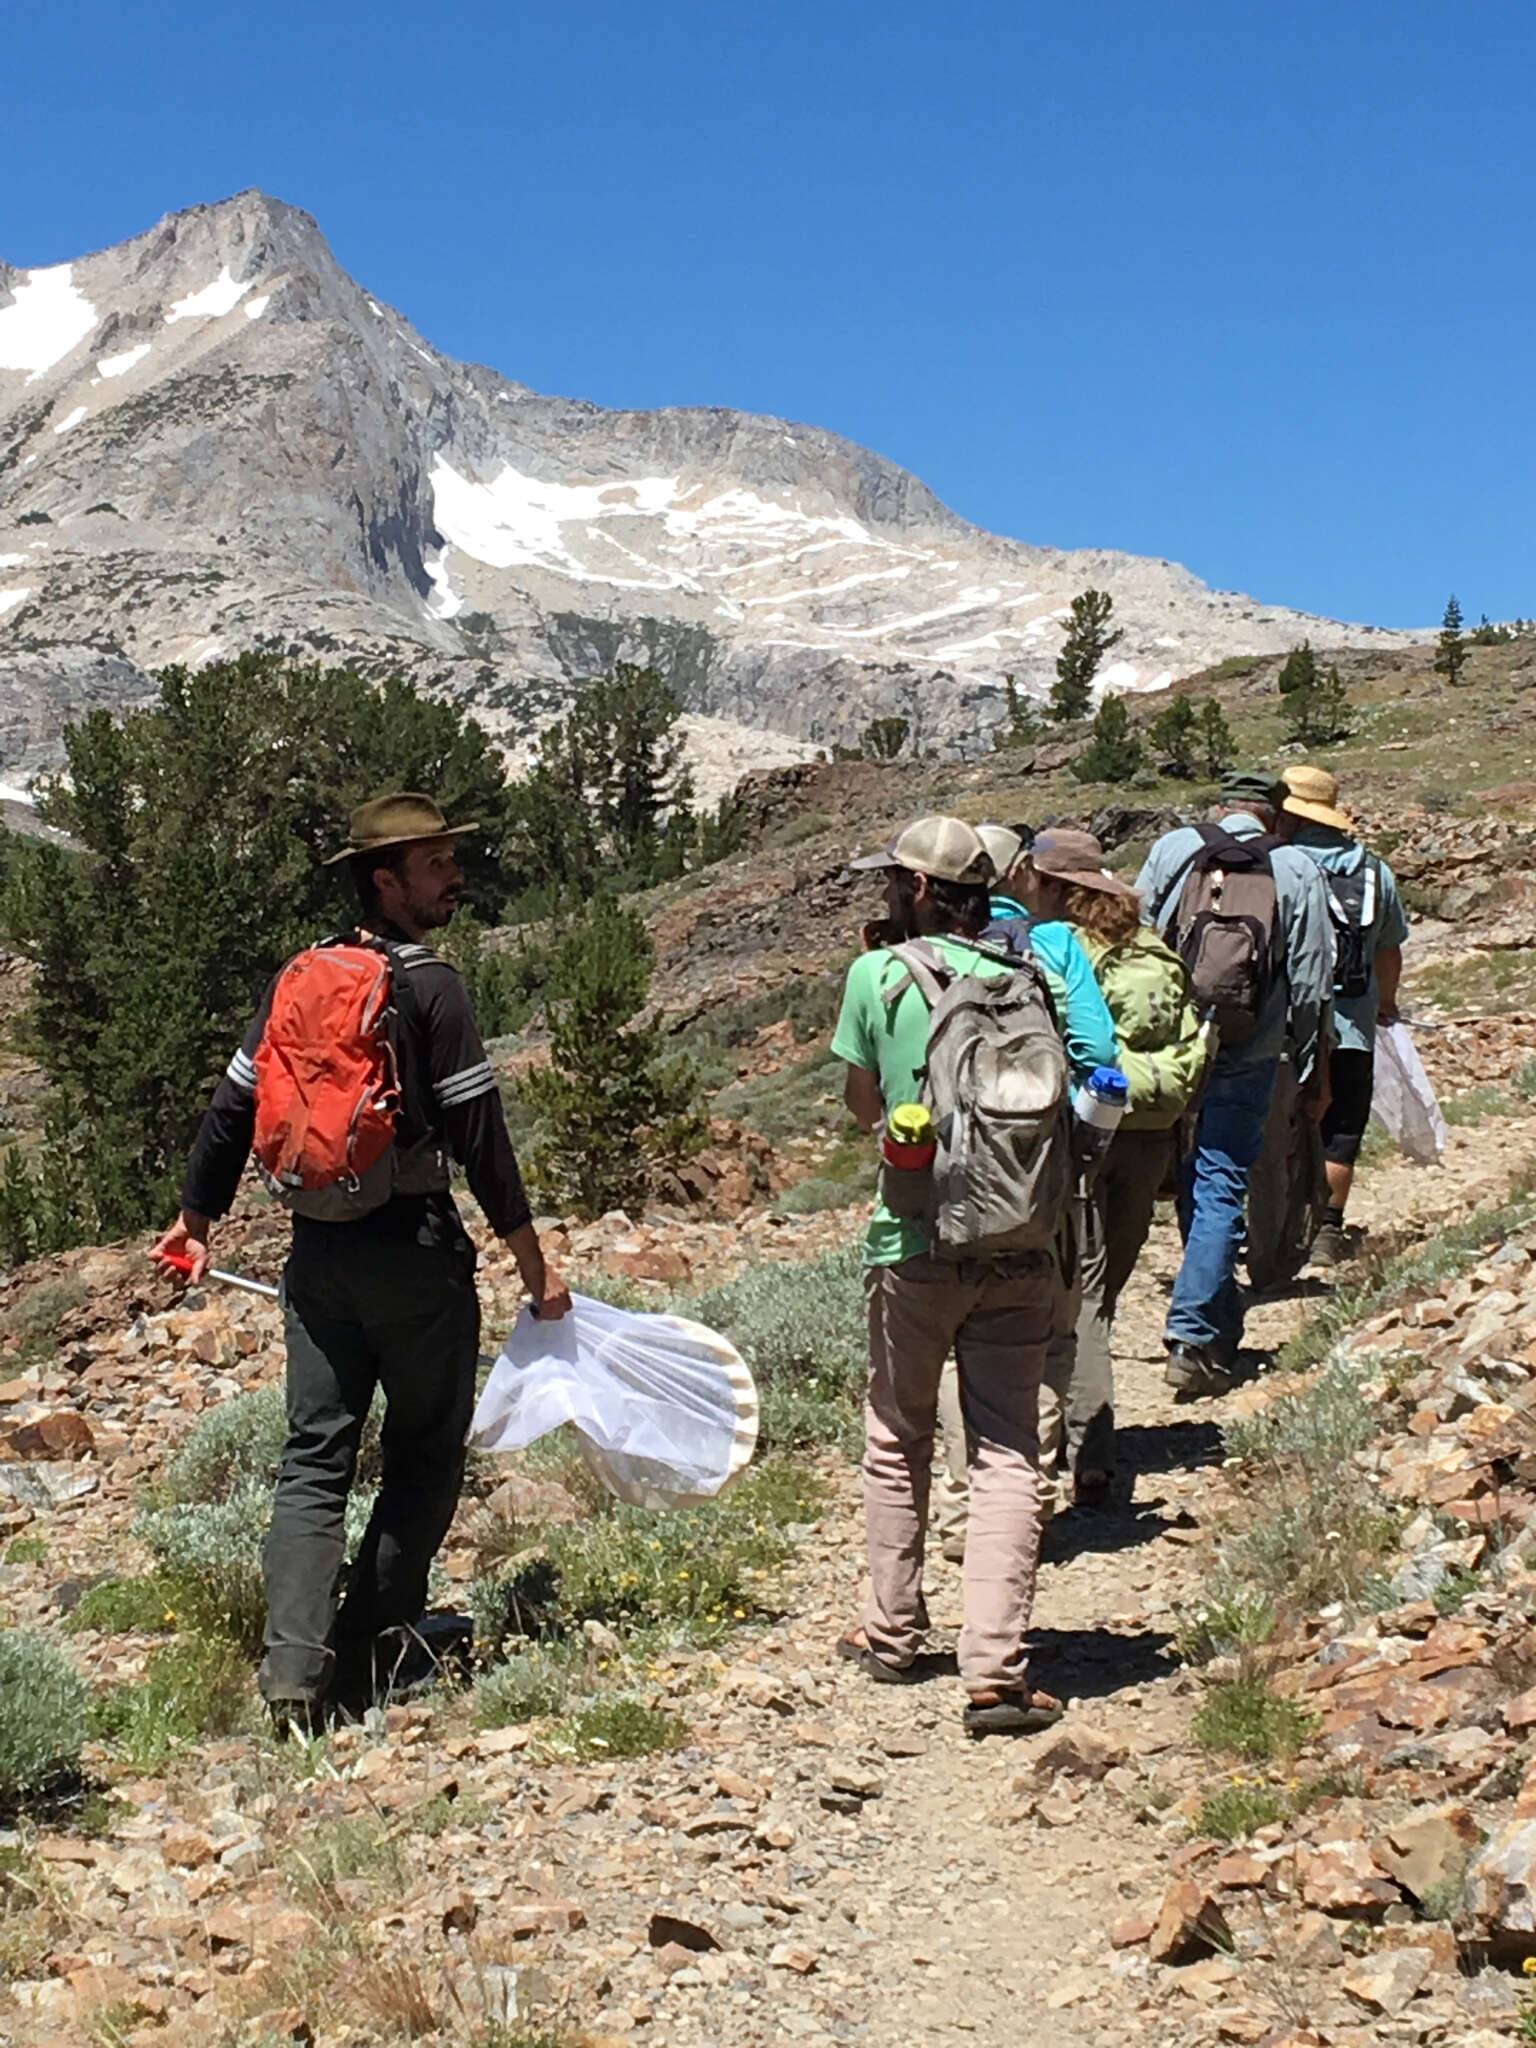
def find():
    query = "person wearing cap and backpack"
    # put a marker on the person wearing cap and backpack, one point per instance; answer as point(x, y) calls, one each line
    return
point(1088, 1039)
point(1248, 917)
point(1161, 1051)
point(1370, 925)
point(361, 1079)
point(953, 1053)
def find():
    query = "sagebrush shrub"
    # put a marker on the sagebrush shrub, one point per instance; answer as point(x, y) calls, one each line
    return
point(536, 1681)
point(243, 1440)
point(801, 1329)
point(42, 1714)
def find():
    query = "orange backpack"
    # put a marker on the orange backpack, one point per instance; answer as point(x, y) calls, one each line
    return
point(327, 1082)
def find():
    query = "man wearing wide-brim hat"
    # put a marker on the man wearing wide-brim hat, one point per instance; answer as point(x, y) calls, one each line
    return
point(1370, 925)
point(1204, 1325)
point(381, 1296)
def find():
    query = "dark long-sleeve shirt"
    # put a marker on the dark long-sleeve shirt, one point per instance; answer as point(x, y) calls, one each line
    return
point(446, 1086)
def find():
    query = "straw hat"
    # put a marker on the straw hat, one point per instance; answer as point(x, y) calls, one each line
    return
point(395, 821)
point(1314, 794)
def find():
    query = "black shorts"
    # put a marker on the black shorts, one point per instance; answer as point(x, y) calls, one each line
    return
point(1343, 1125)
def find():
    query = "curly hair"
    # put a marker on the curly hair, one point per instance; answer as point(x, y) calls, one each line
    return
point(1111, 918)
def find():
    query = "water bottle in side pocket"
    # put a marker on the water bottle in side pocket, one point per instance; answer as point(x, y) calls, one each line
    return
point(1097, 1108)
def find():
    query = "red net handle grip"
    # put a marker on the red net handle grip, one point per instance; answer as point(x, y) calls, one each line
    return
point(182, 1261)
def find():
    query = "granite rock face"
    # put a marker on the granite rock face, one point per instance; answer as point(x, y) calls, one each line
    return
point(211, 435)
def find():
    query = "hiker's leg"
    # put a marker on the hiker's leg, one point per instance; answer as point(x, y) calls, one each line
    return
point(330, 1382)
point(1000, 1347)
point(1124, 1200)
point(913, 1310)
point(1206, 1308)
point(1343, 1123)
point(952, 1466)
point(1052, 1460)
point(424, 1318)
point(1091, 1395)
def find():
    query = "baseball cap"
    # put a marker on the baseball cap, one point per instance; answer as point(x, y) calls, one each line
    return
point(946, 848)
point(1253, 786)
point(1004, 844)
point(1073, 856)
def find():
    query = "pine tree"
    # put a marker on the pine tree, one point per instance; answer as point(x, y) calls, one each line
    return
point(1218, 749)
point(1088, 641)
point(1319, 712)
point(615, 1108)
point(1451, 657)
point(1300, 670)
point(1114, 752)
point(1021, 727)
point(1173, 735)
point(883, 738)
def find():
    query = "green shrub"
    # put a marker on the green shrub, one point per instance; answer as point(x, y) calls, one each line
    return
point(1238, 1808)
point(1240, 1622)
point(1319, 1427)
point(519, 1599)
point(802, 1097)
point(536, 1681)
point(619, 1727)
point(356, 1846)
point(813, 1197)
point(146, 1606)
point(42, 1715)
point(801, 1329)
point(26, 1550)
point(193, 1688)
point(1247, 1718)
point(1476, 1106)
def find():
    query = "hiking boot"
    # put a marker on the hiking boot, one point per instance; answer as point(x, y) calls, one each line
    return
point(297, 1720)
point(1192, 1371)
point(1331, 1246)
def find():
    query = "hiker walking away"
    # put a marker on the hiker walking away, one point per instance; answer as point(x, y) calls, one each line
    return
point(1247, 916)
point(956, 1050)
point(1088, 1037)
point(364, 1057)
point(1159, 1049)
point(1370, 925)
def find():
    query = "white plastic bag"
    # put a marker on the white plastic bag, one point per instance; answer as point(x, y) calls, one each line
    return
point(665, 1410)
point(1403, 1100)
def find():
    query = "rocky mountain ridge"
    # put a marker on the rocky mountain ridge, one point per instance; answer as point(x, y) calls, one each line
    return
point(210, 435)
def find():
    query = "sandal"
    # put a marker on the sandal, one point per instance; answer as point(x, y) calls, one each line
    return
point(857, 1651)
point(1011, 1712)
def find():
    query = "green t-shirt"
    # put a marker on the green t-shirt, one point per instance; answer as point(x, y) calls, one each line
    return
point(890, 1040)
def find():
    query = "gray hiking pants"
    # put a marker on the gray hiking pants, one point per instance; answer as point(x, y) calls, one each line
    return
point(366, 1313)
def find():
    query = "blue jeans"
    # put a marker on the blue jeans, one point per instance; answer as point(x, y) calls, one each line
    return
point(1213, 1188)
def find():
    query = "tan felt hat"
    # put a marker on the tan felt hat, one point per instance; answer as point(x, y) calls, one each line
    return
point(1004, 844)
point(1071, 856)
point(395, 821)
point(1313, 793)
point(946, 848)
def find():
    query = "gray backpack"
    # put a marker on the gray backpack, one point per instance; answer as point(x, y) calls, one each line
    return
point(996, 1084)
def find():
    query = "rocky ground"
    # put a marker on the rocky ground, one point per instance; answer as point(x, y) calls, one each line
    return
point(824, 1860)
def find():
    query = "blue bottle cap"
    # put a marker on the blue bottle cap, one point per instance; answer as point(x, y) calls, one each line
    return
point(1109, 1084)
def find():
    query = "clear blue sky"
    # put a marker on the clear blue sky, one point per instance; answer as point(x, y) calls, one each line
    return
point(1247, 285)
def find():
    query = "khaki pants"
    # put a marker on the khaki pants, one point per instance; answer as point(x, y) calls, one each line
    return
point(1077, 1391)
point(996, 1315)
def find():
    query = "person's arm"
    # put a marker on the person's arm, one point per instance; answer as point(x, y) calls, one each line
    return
point(861, 1092)
point(219, 1153)
point(1088, 1027)
point(1389, 975)
point(472, 1120)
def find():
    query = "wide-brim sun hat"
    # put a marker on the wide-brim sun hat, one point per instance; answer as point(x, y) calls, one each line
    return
point(1069, 856)
point(395, 820)
point(1313, 793)
point(946, 848)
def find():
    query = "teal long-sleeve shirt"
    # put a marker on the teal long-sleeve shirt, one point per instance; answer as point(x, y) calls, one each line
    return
point(1087, 1028)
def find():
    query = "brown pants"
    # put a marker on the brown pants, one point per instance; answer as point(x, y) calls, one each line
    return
point(997, 1315)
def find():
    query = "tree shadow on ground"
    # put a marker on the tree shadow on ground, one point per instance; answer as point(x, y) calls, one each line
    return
point(1101, 1531)
point(1090, 1663)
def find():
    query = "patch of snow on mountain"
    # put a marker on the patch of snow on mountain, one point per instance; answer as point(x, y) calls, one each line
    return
point(11, 561)
point(445, 602)
point(119, 366)
point(212, 302)
point(11, 793)
point(47, 318)
point(517, 519)
point(72, 419)
point(257, 307)
point(9, 599)
point(1119, 676)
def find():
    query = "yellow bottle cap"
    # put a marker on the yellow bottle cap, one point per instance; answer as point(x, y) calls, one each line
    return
point(910, 1124)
